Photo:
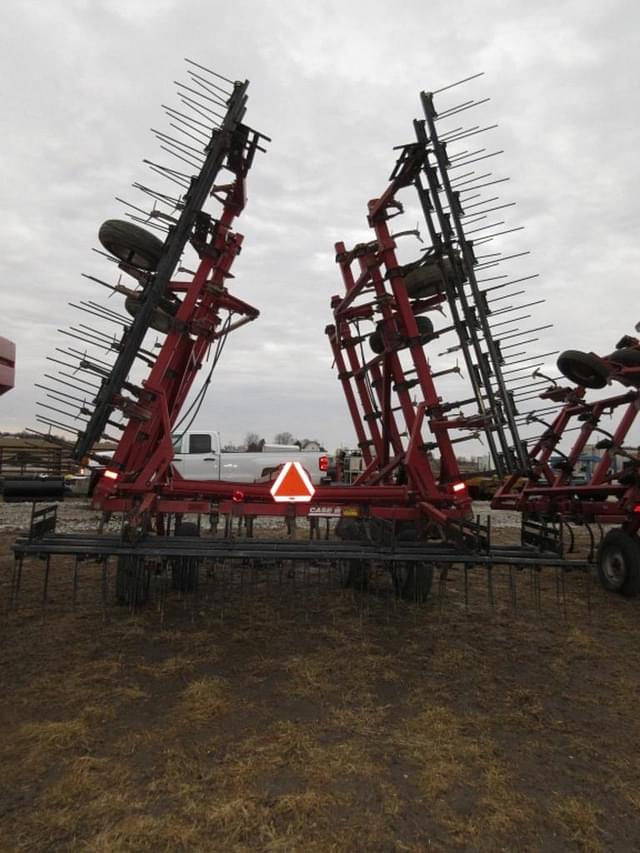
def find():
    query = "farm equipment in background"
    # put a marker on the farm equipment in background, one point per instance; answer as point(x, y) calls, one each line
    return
point(609, 492)
point(409, 508)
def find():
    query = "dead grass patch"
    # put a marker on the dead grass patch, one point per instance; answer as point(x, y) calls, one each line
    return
point(204, 699)
point(140, 832)
point(580, 821)
point(457, 768)
point(170, 666)
point(53, 736)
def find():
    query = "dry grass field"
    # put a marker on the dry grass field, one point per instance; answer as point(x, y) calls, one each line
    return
point(304, 717)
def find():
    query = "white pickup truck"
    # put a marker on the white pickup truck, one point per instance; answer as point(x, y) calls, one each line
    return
point(199, 456)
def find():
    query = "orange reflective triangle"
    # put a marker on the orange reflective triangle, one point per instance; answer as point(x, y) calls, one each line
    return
point(292, 484)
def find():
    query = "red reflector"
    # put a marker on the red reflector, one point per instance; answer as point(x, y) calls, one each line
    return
point(238, 496)
point(111, 475)
point(636, 508)
point(458, 487)
point(323, 463)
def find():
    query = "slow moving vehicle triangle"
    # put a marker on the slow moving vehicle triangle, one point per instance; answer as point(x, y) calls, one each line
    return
point(292, 484)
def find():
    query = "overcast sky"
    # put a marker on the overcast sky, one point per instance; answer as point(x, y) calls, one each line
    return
point(336, 85)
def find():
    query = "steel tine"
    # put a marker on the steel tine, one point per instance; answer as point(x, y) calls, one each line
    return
point(183, 184)
point(198, 95)
point(176, 203)
point(457, 165)
point(200, 81)
point(61, 393)
point(513, 281)
point(480, 203)
point(505, 296)
point(180, 157)
point(190, 104)
point(64, 427)
point(204, 138)
point(213, 73)
point(483, 228)
point(189, 120)
point(172, 140)
point(482, 240)
point(181, 130)
point(81, 414)
point(488, 184)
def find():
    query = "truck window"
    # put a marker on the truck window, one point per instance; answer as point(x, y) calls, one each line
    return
point(200, 443)
point(176, 441)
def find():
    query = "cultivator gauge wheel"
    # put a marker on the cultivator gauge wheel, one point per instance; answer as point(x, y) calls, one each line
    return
point(584, 369)
point(185, 571)
point(619, 563)
point(412, 581)
point(131, 244)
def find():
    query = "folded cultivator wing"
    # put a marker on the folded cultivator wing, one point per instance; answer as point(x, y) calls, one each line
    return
point(192, 310)
point(385, 343)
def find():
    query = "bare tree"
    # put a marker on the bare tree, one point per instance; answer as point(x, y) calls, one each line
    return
point(253, 442)
point(284, 438)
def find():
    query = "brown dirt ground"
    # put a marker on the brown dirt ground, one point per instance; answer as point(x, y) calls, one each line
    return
point(291, 715)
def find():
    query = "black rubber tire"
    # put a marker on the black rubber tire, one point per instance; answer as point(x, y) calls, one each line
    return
point(412, 580)
point(619, 563)
point(185, 570)
point(431, 278)
point(425, 330)
point(583, 368)
point(354, 574)
point(350, 529)
point(132, 582)
point(161, 320)
point(376, 343)
point(130, 243)
point(626, 357)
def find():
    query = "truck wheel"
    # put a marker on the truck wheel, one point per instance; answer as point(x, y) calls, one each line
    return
point(131, 244)
point(185, 570)
point(583, 368)
point(619, 563)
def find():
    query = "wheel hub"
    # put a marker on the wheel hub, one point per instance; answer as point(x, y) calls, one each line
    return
point(614, 569)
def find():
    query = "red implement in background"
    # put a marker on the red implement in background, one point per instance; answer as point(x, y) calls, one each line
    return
point(7, 365)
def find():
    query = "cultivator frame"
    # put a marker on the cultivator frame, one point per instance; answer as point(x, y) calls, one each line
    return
point(406, 509)
point(397, 297)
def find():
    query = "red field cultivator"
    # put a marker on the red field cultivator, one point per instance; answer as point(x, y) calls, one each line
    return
point(611, 494)
point(409, 510)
